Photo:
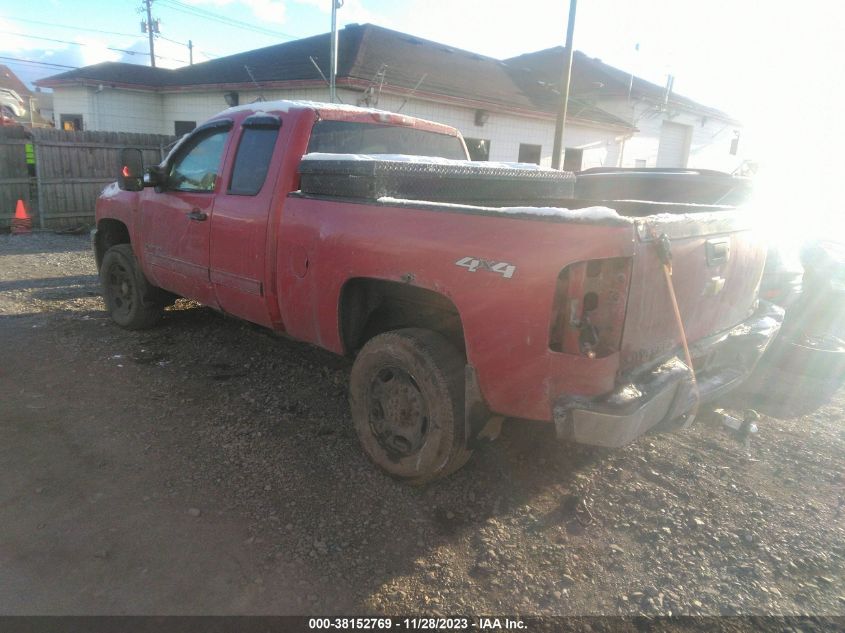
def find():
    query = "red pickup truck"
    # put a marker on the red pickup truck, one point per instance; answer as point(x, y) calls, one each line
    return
point(458, 314)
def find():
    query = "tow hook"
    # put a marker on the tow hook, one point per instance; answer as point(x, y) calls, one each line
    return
point(742, 428)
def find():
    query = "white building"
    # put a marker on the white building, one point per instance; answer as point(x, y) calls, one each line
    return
point(505, 109)
point(672, 130)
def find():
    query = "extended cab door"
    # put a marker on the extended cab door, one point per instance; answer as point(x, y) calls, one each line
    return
point(239, 239)
point(176, 216)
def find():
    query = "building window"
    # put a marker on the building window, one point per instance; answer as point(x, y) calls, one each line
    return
point(479, 148)
point(640, 163)
point(573, 159)
point(71, 122)
point(180, 128)
point(529, 153)
point(254, 153)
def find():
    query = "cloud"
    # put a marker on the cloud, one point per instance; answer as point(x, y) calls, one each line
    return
point(94, 51)
point(10, 43)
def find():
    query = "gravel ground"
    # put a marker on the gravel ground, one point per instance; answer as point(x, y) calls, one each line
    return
point(208, 466)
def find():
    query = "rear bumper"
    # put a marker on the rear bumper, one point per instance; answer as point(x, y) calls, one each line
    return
point(665, 392)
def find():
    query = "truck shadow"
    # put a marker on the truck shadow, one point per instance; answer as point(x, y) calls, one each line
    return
point(276, 420)
point(83, 282)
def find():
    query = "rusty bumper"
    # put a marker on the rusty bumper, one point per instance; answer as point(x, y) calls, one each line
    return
point(664, 392)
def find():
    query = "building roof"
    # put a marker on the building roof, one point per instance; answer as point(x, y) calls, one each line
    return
point(527, 82)
point(8, 79)
point(364, 51)
point(117, 73)
point(593, 79)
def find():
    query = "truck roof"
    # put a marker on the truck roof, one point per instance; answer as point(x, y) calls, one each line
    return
point(340, 111)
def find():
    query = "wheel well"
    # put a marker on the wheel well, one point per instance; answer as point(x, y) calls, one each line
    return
point(369, 307)
point(109, 233)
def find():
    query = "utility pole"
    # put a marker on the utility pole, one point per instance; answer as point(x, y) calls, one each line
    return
point(190, 53)
point(560, 122)
point(150, 28)
point(336, 4)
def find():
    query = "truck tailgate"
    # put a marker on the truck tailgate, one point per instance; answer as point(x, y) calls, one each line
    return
point(717, 265)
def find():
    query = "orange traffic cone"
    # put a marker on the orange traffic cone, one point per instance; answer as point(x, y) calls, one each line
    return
point(21, 223)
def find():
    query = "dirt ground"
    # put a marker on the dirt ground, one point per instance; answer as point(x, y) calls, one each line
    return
point(209, 467)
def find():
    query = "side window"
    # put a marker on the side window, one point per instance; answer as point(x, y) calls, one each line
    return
point(195, 167)
point(252, 160)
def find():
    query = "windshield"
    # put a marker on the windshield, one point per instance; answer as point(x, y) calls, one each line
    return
point(347, 137)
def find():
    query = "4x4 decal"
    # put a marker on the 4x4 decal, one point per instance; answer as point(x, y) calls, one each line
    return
point(473, 264)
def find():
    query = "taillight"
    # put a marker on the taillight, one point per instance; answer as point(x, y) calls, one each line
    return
point(589, 307)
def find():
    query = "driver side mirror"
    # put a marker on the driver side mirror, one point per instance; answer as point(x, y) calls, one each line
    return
point(155, 177)
point(131, 174)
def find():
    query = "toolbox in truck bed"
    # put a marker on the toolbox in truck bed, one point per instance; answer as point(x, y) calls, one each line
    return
point(455, 181)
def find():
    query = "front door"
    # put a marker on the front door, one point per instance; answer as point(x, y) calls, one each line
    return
point(176, 217)
point(241, 213)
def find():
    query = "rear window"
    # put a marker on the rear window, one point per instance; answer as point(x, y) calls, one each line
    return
point(254, 153)
point(346, 137)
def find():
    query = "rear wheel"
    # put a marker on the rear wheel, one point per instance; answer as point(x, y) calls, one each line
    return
point(131, 300)
point(407, 398)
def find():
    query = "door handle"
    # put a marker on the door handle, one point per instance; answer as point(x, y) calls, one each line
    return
point(198, 215)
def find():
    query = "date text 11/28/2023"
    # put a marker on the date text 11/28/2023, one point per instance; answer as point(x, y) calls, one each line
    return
point(418, 624)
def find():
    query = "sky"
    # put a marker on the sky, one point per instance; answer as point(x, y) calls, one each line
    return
point(777, 65)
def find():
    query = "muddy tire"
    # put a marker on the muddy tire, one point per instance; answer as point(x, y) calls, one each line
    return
point(407, 399)
point(131, 301)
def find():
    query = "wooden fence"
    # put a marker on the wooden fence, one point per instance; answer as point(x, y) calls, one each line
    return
point(65, 171)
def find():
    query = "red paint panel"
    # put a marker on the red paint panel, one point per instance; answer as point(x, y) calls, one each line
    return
point(506, 320)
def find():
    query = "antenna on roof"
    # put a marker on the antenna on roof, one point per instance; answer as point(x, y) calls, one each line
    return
point(369, 91)
point(257, 85)
point(411, 94)
point(313, 61)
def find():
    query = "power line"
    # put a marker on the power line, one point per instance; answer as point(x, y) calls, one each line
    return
point(38, 63)
point(111, 48)
point(72, 28)
point(211, 15)
point(46, 39)
point(82, 28)
point(216, 17)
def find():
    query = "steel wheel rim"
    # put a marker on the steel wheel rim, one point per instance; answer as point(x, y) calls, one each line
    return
point(121, 288)
point(398, 412)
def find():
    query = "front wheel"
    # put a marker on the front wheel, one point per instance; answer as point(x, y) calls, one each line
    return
point(131, 300)
point(407, 399)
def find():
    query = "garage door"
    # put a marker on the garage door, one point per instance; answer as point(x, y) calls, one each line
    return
point(673, 150)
